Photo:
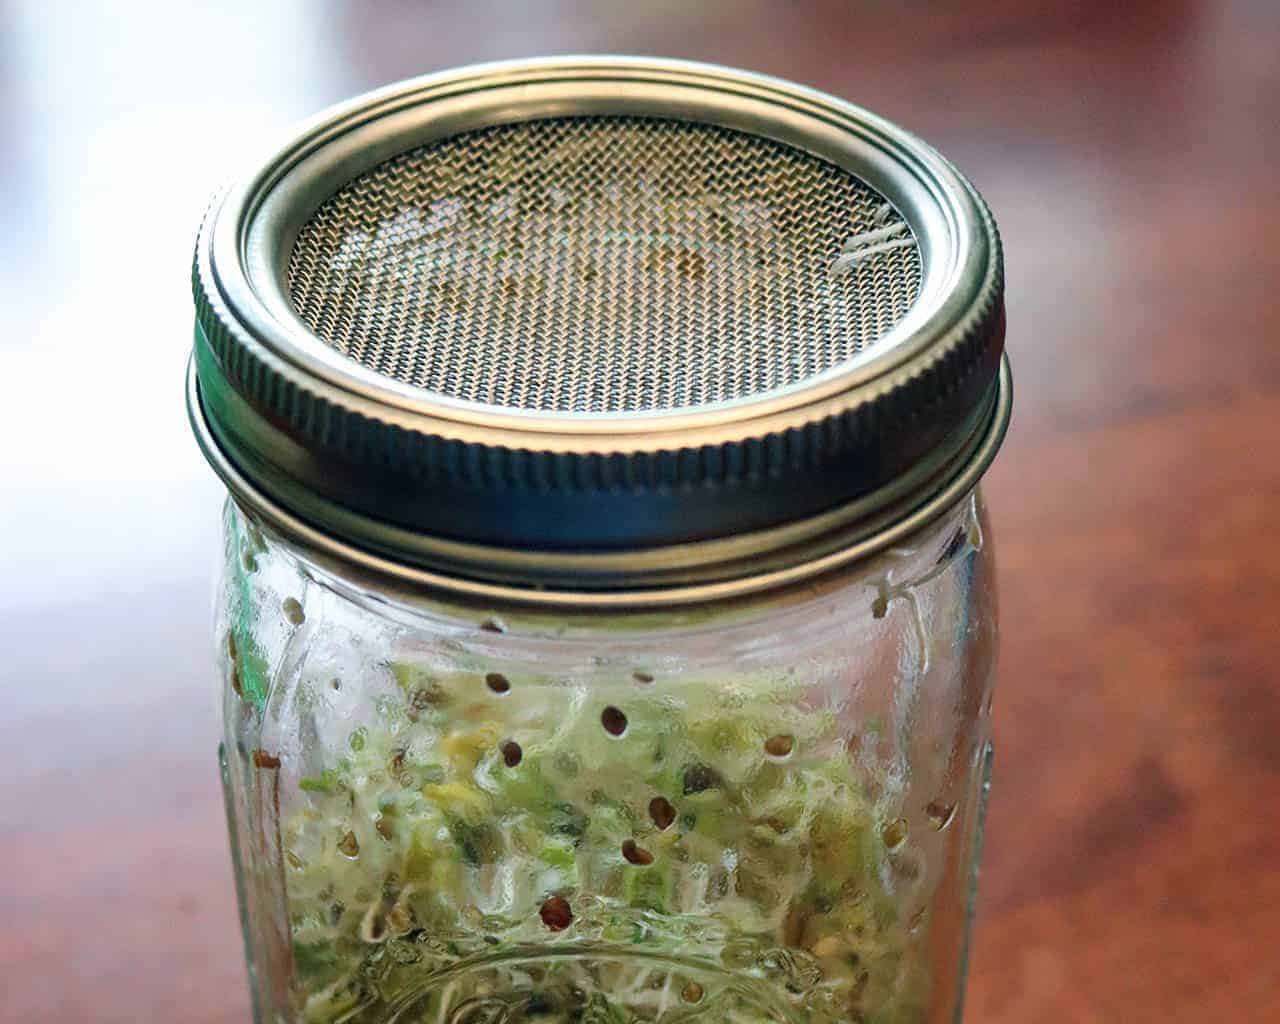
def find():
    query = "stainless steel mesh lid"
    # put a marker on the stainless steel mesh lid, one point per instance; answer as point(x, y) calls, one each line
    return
point(549, 323)
point(603, 265)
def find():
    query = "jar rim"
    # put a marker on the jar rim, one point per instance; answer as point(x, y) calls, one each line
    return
point(645, 579)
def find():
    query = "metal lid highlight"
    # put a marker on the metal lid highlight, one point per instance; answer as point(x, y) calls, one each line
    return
point(596, 322)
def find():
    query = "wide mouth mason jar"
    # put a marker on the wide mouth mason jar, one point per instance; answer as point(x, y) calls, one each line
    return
point(606, 624)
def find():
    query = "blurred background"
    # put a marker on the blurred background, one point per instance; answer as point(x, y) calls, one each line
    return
point(1129, 151)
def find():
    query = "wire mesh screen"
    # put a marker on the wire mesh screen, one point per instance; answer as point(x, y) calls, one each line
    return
point(603, 265)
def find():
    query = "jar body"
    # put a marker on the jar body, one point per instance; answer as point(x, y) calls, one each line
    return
point(752, 812)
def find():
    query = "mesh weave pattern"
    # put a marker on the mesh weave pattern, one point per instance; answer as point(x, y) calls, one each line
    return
point(603, 265)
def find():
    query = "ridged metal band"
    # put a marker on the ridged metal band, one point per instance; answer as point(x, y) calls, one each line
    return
point(422, 478)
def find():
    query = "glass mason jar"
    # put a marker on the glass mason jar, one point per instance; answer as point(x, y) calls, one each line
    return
point(570, 684)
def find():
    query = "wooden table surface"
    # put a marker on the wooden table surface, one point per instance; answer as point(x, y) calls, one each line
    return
point(1130, 152)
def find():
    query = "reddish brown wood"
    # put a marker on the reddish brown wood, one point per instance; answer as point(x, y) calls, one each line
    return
point(1130, 152)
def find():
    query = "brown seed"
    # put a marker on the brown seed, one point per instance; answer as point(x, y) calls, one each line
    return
point(634, 854)
point(698, 778)
point(642, 677)
point(511, 753)
point(262, 759)
point(236, 684)
point(349, 845)
point(384, 827)
point(556, 913)
point(250, 563)
point(779, 746)
point(231, 645)
point(691, 993)
point(613, 720)
point(293, 611)
point(894, 833)
point(336, 684)
point(497, 682)
point(493, 625)
point(661, 812)
point(940, 814)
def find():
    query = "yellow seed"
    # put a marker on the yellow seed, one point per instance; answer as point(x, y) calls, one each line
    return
point(829, 945)
point(894, 833)
point(293, 611)
point(691, 993)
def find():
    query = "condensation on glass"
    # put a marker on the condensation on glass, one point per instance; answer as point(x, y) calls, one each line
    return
point(606, 621)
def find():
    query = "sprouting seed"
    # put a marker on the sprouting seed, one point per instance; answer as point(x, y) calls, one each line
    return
point(613, 720)
point(780, 745)
point(293, 611)
point(261, 759)
point(940, 814)
point(512, 755)
point(691, 993)
point(497, 682)
point(429, 694)
point(894, 833)
point(635, 854)
point(661, 812)
point(400, 921)
point(349, 846)
point(556, 913)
